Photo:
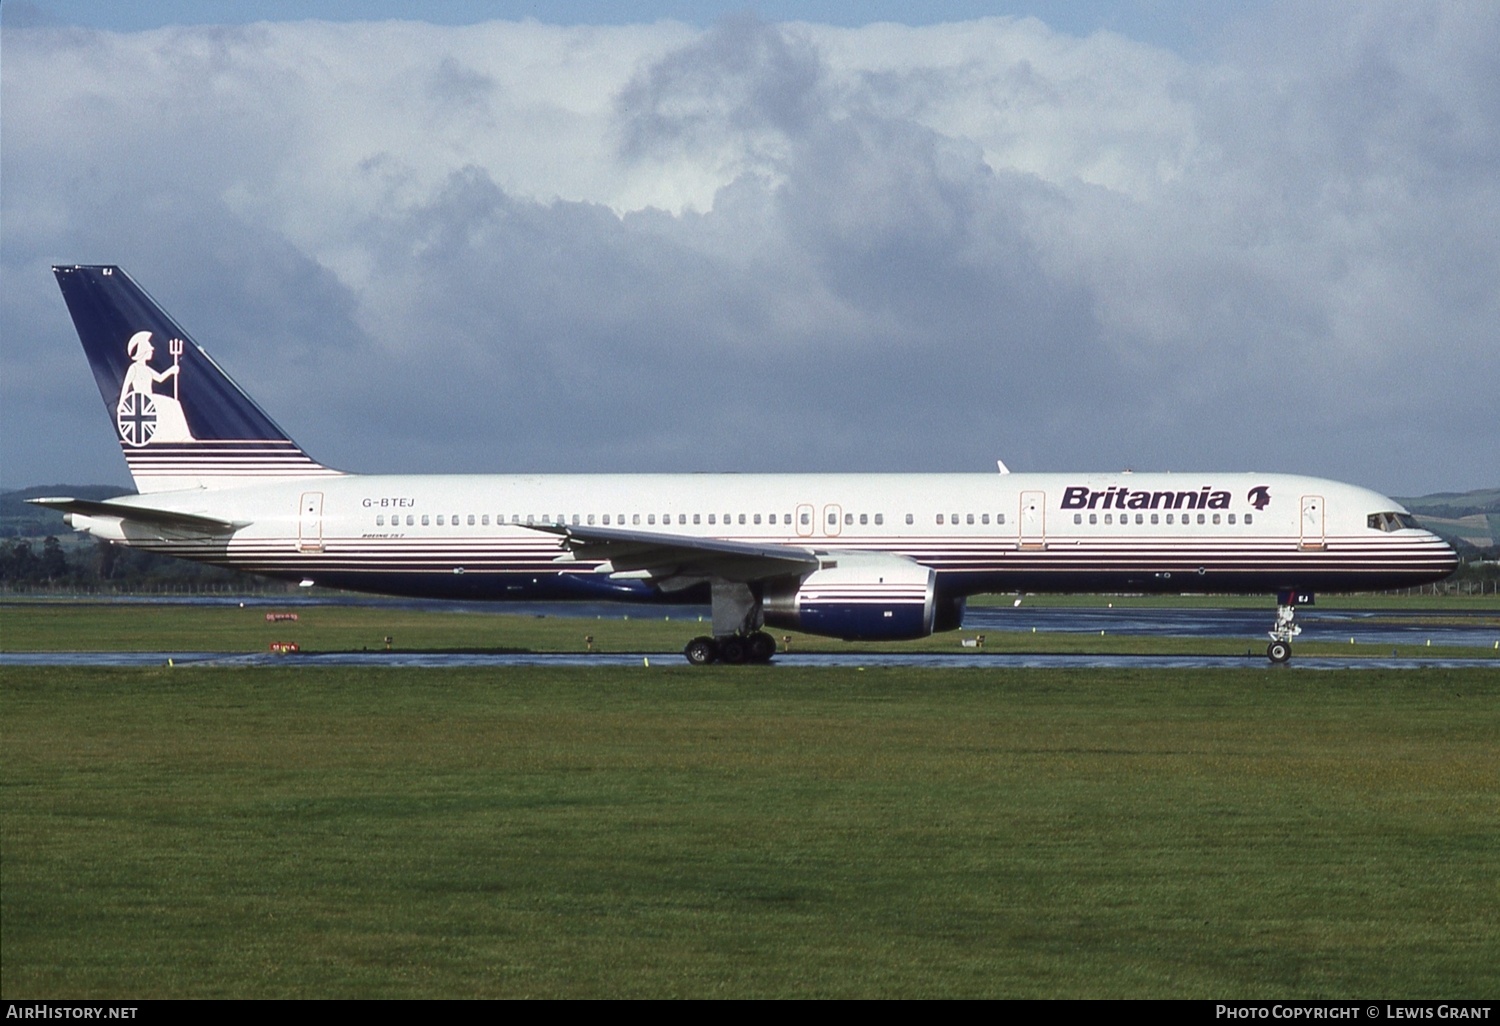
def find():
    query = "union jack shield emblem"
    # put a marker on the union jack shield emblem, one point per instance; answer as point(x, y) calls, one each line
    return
point(136, 418)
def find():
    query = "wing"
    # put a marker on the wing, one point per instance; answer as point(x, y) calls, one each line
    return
point(674, 560)
point(192, 523)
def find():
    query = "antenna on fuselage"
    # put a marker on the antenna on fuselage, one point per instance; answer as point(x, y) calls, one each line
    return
point(1003, 468)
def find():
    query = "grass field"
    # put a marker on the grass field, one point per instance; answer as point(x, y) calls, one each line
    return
point(287, 832)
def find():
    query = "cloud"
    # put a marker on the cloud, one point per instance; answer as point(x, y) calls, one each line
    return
point(782, 247)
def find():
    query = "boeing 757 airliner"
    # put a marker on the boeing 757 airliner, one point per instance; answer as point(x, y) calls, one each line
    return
point(872, 557)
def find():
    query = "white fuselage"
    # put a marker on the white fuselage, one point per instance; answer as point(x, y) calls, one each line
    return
point(468, 536)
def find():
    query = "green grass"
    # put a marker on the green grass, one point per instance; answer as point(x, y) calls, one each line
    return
point(104, 626)
point(286, 832)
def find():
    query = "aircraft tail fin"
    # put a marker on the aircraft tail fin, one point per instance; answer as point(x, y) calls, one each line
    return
point(181, 421)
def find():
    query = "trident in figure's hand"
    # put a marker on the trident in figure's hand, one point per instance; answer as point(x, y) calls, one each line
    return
point(175, 347)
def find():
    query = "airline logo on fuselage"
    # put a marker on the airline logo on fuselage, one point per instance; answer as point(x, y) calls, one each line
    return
point(1119, 497)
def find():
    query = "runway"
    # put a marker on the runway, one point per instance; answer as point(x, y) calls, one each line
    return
point(1478, 630)
point(967, 660)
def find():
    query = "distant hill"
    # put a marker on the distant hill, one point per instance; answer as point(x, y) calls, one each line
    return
point(1464, 518)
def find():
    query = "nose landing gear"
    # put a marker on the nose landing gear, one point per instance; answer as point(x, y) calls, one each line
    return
point(1287, 601)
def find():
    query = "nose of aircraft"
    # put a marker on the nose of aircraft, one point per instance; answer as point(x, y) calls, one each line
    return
point(1449, 555)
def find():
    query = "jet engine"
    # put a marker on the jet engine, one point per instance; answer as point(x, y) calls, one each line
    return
point(862, 596)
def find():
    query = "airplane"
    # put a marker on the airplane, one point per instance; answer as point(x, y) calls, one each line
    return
point(867, 557)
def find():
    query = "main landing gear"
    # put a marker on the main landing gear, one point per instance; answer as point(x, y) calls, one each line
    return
point(755, 647)
point(737, 635)
point(1280, 648)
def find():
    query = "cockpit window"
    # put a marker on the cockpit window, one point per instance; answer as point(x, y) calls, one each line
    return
point(1390, 521)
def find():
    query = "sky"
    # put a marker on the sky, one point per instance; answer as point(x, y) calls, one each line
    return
point(528, 237)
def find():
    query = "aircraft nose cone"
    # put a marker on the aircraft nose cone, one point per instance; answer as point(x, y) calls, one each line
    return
point(1452, 561)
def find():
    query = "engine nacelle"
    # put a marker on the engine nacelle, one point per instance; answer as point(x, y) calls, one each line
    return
point(857, 596)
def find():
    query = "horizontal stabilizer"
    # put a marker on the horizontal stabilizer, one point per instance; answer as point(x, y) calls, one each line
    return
point(161, 518)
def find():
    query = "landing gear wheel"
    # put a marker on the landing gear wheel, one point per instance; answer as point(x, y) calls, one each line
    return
point(701, 651)
point(733, 650)
point(760, 647)
point(1278, 651)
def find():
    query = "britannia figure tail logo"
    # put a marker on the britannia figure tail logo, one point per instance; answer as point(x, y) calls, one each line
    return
point(142, 415)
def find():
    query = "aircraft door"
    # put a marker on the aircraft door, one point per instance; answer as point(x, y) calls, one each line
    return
point(1033, 520)
point(805, 514)
point(310, 522)
point(1312, 521)
point(833, 520)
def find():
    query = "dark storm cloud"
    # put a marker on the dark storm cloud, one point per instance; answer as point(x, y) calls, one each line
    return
point(767, 247)
point(744, 76)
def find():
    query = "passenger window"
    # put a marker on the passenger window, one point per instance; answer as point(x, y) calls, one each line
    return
point(697, 519)
point(968, 518)
point(1077, 518)
point(984, 518)
point(485, 520)
point(940, 519)
point(440, 520)
point(742, 518)
point(879, 519)
point(425, 521)
point(1231, 518)
point(712, 519)
point(864, 518)
point(849, 519)
point(807, 519)
point(379, 519)
point(1216, 518)
point(757, 518)
point(635, 518)
point(1093, 518)
point(999, 518)
point(650, 518)
point(1200, 518)
point(682, 518)
point(910, 518)
point(1249, 518)
point(1169, 518)
point(408, 520)
point(1140, 518)
point(470, 520)
point(833, 519)
point(1155, 518)
point(1109, 518)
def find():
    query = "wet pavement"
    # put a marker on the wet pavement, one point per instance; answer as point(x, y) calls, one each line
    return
point(1475, 629)
point(968, 660)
